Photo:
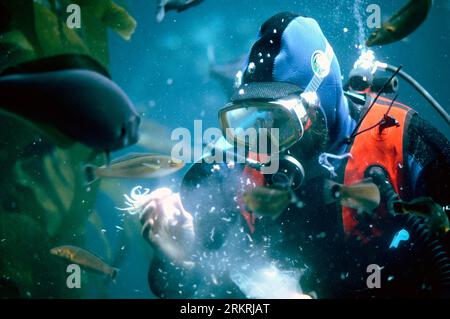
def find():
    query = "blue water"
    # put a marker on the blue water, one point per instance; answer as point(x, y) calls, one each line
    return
point(164, 70)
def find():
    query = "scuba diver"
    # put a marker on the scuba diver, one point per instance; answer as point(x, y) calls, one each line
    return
point(207, 238)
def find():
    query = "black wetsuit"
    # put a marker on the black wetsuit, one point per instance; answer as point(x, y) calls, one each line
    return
point(312, 238)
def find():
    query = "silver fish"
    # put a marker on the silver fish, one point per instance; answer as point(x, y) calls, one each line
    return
point(172, 5)
point(84, 258)
point(135, 165)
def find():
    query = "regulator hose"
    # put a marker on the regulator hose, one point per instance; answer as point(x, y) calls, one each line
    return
point(432, 250)
point(419, 88)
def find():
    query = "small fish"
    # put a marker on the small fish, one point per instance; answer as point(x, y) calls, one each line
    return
point(427, 208)
point(172, 5)
point(84, 258)
point(363, 196)
point(135, 165)
point(267, 201)
point(402, 24)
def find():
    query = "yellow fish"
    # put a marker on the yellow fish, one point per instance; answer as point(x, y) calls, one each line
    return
point(84, 258)
point(402, 24)
point(425, 207)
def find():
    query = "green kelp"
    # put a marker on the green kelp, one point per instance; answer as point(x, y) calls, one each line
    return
point(38, 29)
point(25, 264)
point(57, 183)
point(99, 15)
point(44, 201)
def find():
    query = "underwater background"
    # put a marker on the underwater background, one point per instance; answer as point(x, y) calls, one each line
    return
point(164, 69)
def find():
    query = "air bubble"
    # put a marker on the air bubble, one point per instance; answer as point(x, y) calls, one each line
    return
point(251, 67)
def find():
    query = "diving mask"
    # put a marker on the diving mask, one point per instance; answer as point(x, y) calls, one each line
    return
point(281, 120)
point(276, 112)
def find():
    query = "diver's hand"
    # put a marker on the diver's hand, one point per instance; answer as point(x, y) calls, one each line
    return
point(168, 226)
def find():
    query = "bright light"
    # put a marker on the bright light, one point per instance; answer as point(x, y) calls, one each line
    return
point(268, 282)
point(136, 200)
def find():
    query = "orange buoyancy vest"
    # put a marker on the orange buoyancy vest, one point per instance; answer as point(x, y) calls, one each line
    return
point(377, 148)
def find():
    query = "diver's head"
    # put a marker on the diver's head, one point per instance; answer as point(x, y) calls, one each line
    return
point(291, 82)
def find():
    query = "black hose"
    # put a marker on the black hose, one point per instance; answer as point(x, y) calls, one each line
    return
point(358, 125)
point(434, 251)
point(421, 90)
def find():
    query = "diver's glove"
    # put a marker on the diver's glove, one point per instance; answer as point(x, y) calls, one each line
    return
point(168, 226)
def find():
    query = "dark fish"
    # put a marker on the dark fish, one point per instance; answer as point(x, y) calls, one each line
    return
point(77, 104)
point(427, 208)
point(136, 166)
point(362, 196)
point(84, 258)
point(174, 5)
point(266, 201)
point(402, 24)
point(227, 74)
